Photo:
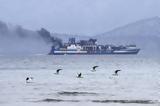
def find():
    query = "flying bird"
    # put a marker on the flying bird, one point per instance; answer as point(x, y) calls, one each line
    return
point(57, 71)
point(116, 72)
point(29, 79)
point(79, 75)
point(94, 68)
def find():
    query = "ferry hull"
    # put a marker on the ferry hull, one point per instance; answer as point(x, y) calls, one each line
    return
point(94, 53)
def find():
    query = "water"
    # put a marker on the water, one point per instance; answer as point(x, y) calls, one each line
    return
point(136, 85)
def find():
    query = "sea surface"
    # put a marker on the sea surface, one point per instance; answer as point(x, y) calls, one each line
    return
point(137, 84)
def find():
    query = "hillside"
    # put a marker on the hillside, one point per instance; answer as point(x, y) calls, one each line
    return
point(144, 33)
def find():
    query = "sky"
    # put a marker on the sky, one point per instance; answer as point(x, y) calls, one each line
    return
point(85, 17)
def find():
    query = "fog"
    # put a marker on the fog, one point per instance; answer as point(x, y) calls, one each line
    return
point(87, 17)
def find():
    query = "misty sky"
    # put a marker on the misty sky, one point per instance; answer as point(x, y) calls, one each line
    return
point(87, 17)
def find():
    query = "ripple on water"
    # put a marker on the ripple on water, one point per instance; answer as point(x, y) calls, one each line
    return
point(126, 101)
point(57, 100)
point(102, 101)
point(66, 93)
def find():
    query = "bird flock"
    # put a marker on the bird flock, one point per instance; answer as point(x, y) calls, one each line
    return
point(79, 75)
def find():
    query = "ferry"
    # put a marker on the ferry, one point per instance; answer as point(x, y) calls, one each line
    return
point(90, 47)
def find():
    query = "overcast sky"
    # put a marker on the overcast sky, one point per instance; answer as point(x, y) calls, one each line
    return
point(88, 17)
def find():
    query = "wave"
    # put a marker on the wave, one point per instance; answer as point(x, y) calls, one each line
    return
point(103, 101)
point(57, 100)
point(66, 93)
point(126, 101)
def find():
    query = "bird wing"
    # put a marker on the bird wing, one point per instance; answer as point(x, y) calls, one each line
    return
point(59, 69)
point(95, 67)
point(117, 71)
